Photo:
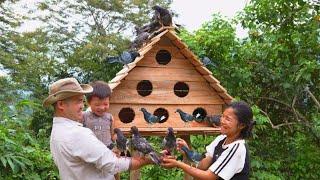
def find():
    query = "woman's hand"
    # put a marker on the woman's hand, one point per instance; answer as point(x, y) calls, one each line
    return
point(180, 142)
point(169, 162)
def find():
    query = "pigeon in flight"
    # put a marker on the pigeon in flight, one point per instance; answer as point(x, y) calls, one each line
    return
point(125, 58)
point(141, 145)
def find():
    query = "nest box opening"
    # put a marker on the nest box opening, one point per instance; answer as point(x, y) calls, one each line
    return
point(162, 113)
point(200, 113)
point(163, 57)
point(181, 89)
point(144, 88)
point(126, 115)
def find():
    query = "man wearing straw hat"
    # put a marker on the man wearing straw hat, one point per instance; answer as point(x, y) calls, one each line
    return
point(75, 149)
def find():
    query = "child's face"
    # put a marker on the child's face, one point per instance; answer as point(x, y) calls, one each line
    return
point(99, 106)
point(229, 123)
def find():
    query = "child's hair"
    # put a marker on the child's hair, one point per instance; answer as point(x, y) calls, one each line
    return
point(101, 90)
point(245, 116)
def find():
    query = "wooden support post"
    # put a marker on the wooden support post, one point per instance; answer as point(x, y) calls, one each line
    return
point(134, 174)
point(187, 139)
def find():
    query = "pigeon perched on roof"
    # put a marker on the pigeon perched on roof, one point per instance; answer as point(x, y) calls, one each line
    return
point(192, 156)
point(121, 141)
point(138, 42)
point(150, 118)
point(207, 61)
point(214, 120)
point(169, 141)
point(185, 116)
point(125, 58)
point(163, 16)
point(141, 145)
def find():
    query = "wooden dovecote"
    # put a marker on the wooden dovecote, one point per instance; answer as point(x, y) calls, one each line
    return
point(165, 77)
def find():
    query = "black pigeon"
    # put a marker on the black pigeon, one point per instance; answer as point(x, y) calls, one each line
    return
point(207, 61)
point(111, 146)
point(150, 118)
point(185, 116)
point(125, 58)
point(169, 141)
point(214, 120)
point(121, 141)
point(141, 145)
point(163, 16)
point(138, 42)
point(192, 156)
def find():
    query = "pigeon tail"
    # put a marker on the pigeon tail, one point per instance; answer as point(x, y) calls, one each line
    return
point(155, 158)
point(113, 59)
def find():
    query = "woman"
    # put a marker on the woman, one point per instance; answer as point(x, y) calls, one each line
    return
point(227, 156)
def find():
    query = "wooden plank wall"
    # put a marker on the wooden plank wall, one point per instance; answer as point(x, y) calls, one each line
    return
point(163, 79)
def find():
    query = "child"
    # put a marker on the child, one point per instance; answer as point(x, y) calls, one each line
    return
point(227, 156)
point(97, 117)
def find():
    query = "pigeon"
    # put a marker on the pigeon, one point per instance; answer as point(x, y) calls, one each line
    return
point(207, 61)
point(139, 40)
point(125, 58)
point(121, 141)
point(185, 116)
point(214, 120)
point(111, 146)
point(150, 118)
point(141, 145)
point(162, 15)
point(192, 156)
point(169, 142)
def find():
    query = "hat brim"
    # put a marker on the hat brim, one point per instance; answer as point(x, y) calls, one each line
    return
point(61, 95)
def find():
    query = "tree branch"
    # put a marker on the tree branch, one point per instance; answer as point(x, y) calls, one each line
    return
point(313, 97)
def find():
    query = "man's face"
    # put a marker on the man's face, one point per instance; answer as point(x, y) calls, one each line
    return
point(99, 106)
point(72, 107)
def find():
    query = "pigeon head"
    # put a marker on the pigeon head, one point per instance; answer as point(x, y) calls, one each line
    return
point(179, 110)
point(143, 109)
point(156, 7)
point(170, 130)
point(134, 130)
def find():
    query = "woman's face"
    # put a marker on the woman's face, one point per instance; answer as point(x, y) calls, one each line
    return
point(229, 123)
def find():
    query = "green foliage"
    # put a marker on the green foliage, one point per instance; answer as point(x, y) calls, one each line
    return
point(22, 154)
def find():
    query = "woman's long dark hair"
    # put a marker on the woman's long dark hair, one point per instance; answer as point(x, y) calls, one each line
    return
point(245, 116)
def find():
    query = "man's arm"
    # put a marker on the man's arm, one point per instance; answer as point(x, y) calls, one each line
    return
point(138, 162)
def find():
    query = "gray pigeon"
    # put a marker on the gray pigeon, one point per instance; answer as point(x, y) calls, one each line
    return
point(163, 16)
point(139, 40)
point(207, 61)
point(192, 156)
point(125, 58)
point(214, 120)
point(121, 141)
point(169, 142)
point(141, 145)
point(150, 118)
point(185, 116)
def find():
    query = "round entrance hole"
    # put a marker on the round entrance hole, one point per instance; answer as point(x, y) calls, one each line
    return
point(144, 88)
point(162, 113)
point(199, 114)
point(126, 115)
point(181, 89)
point(163, 57)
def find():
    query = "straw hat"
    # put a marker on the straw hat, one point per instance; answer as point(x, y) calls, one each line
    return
point(65, 88)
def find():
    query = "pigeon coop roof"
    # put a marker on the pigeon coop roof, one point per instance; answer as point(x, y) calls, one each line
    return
point(165, 77)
